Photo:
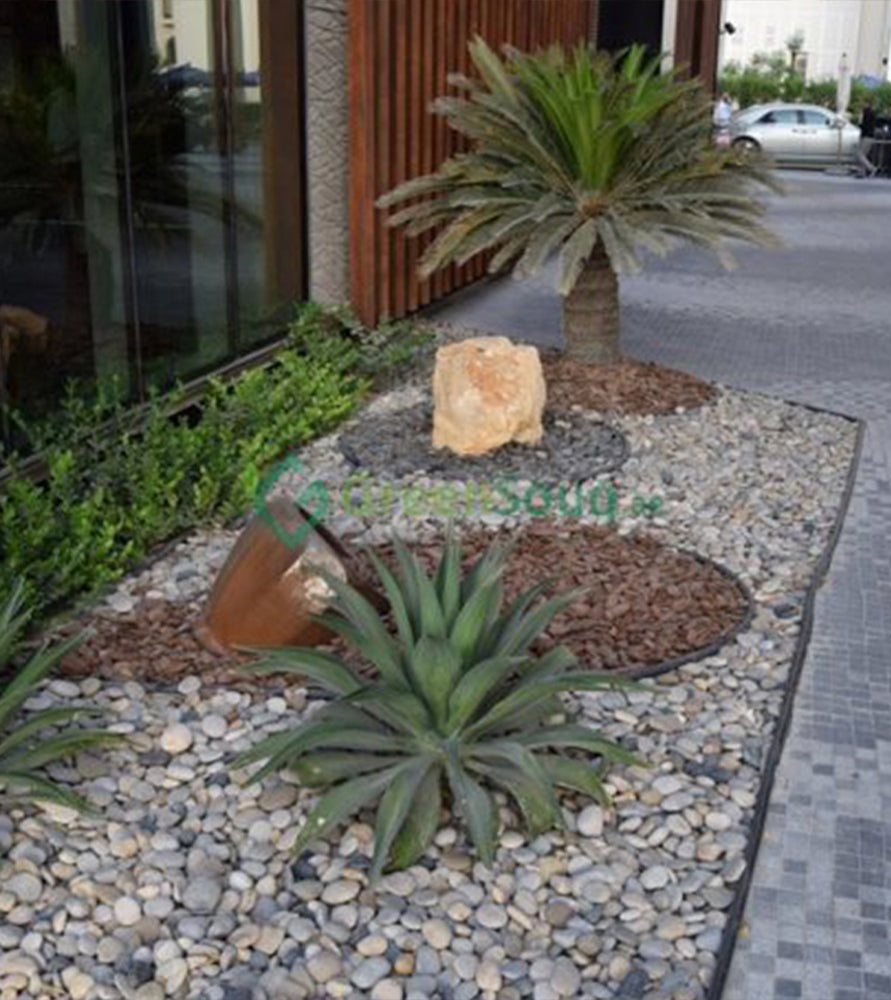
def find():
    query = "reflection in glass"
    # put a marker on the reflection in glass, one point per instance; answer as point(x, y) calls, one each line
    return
point(61, 291)
point(177, 165)
point(135, 178)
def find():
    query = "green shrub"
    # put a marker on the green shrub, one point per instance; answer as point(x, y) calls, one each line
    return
point(770, 78)
point(117, 484)
point(384, 353)
point(459, 698)
point(26, 749)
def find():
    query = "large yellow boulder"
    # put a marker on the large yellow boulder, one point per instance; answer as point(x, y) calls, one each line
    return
point(486, 392)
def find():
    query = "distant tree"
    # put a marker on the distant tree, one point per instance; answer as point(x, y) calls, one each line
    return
point(794, 46)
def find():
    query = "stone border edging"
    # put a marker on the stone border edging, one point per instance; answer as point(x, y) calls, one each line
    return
point(781, 730)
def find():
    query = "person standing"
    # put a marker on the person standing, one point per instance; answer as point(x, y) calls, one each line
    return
point(721, 118)
point(867, 133)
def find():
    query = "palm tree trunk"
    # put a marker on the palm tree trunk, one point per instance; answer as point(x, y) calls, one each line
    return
point(591, 313)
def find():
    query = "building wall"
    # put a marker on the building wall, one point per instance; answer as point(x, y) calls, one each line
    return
point(329, 170)
point(327, 164)
point(874, 39)
point(400, 55)
point(696, 38)
point(669, 29)
point(861, 29)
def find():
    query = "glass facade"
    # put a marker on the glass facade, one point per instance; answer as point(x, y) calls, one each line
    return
point(138, 242)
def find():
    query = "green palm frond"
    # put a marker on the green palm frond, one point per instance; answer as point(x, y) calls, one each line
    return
point(461, 701)
point(574, 150)
point(38, 740)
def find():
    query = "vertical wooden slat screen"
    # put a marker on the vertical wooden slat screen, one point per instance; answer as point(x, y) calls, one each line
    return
point(696, 38)
point(400, 54)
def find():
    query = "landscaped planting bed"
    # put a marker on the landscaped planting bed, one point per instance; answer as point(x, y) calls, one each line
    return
point(185, 884)
point(646, 604)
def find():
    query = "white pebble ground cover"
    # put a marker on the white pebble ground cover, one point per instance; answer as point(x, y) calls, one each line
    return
point(185, 885)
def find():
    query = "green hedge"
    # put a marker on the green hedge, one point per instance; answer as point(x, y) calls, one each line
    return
point(766, 81)
point(117, 485)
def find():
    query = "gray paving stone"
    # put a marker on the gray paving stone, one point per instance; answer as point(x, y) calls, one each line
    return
point(811, 322)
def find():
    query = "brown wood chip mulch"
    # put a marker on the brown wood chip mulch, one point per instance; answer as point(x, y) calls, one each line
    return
point(634, 387)
point(647, 604)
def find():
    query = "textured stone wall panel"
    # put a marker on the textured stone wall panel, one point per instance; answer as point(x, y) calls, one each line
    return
point(327, 149)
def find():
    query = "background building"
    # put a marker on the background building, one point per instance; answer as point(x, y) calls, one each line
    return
point(174, 174)
point(861, 29)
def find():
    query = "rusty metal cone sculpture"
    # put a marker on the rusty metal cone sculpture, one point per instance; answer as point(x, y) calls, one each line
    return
point(273, 582)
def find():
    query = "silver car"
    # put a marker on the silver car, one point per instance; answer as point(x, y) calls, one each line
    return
point(795, 133)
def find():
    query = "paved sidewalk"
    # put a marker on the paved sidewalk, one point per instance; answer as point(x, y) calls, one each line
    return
point(810, 322)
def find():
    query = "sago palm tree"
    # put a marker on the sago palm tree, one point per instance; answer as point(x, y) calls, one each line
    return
point(586, 155)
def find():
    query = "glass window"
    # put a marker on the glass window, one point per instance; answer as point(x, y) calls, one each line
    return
point(783, 116)
point(63, 307)
point(176, 132)
point(149, 226)
point(816, 118)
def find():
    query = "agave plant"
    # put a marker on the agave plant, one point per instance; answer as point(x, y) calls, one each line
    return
point(459, 701)
point(27, 748)
point(586, 155)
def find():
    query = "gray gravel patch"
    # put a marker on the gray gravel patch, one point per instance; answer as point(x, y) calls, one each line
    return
point(575, 446)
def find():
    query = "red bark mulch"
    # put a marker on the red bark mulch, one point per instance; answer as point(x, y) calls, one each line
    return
point(647, 604)
point(634, 387)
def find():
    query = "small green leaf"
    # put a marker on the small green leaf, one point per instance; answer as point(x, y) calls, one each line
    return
point(402, 710)
point(468, 628)
point(511, 616)
point(581, 738)
point(410, 572)
point(529, 694)
point(475, 806)
point(577, 775)
point(281, 750)
point(50, 717)
point(38, 787)
point(317, 770)
point(526, 780)
point(395, 805)
point(65, 744)
point(484, 572)
point(473, 688)
point(341, 802)
point(374, 639)
point(519, 633)
point(323, 668)
point(536, 807)
point(421, 823)
point(433, 622)
point(436, 668)
point(399, 606)
point(16, 691)
point(448, 579)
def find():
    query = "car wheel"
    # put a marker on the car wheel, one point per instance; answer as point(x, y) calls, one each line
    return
point(746, 145)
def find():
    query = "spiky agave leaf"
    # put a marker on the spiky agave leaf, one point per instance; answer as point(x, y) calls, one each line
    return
point(571, 150)
point(38, 740)
point(461, 700)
